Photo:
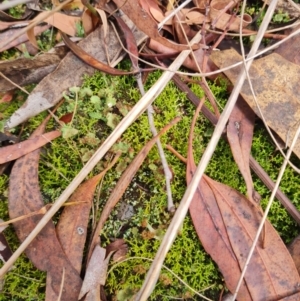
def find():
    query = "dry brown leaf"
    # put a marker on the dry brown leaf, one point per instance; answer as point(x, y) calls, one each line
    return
point(45, 251)
point(276, 85)
point(226, 224)
point(15, 151)
point(145, 23)
point(239, 133)
point(189, 62)
point(72, 226)
point(95, 274)
point(61, 21)
point(294, 249)
point(290, 49)
point(21, 39)
point(222, 20)
point(24, 71)
point(50, 89)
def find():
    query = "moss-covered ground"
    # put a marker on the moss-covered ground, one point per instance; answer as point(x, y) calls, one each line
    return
point(99, 105)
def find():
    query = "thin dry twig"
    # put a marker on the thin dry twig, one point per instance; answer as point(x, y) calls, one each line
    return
point(167, 171)
point(169, 270)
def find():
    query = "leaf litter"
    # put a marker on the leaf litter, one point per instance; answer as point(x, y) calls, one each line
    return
point(231, 218)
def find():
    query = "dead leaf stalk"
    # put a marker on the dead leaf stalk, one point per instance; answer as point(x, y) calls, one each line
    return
point(167, 172)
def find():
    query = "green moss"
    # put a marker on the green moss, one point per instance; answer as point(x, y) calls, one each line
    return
point(101, 99)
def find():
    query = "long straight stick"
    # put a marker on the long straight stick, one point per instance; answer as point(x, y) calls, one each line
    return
point(154, 271)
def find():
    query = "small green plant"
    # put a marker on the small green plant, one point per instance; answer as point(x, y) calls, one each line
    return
point(17, 11)
point(281, 17)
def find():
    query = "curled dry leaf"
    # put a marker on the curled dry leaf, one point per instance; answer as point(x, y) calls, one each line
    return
point(90, 60)
point(146, 24)
point(61, 21)
point(189, 62)
point(239, 133)
point(21, 39)
point(45, 251)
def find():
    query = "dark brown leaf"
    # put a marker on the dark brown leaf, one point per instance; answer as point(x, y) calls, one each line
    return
point(239, 133)
point(226, 224)
point(24, 71)
point(146, 24)
point(45, 251)
point(12, 152)
point(95, 274)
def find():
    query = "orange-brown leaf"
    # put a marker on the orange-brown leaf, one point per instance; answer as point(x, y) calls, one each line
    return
point(15, 151)
point(145, 23)
point(239, 133)
point(45, 251)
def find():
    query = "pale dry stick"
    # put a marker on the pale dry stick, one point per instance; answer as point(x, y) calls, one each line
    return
point(261, 225)
point(136, 111)
point(167, 171)
point(251, 34)
point(16, 85)
point(171, 15)
point(38, 20)
point(150, 110)
point(169, 237)
point(165, 267)
point(12, 3)
point(61, 285)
